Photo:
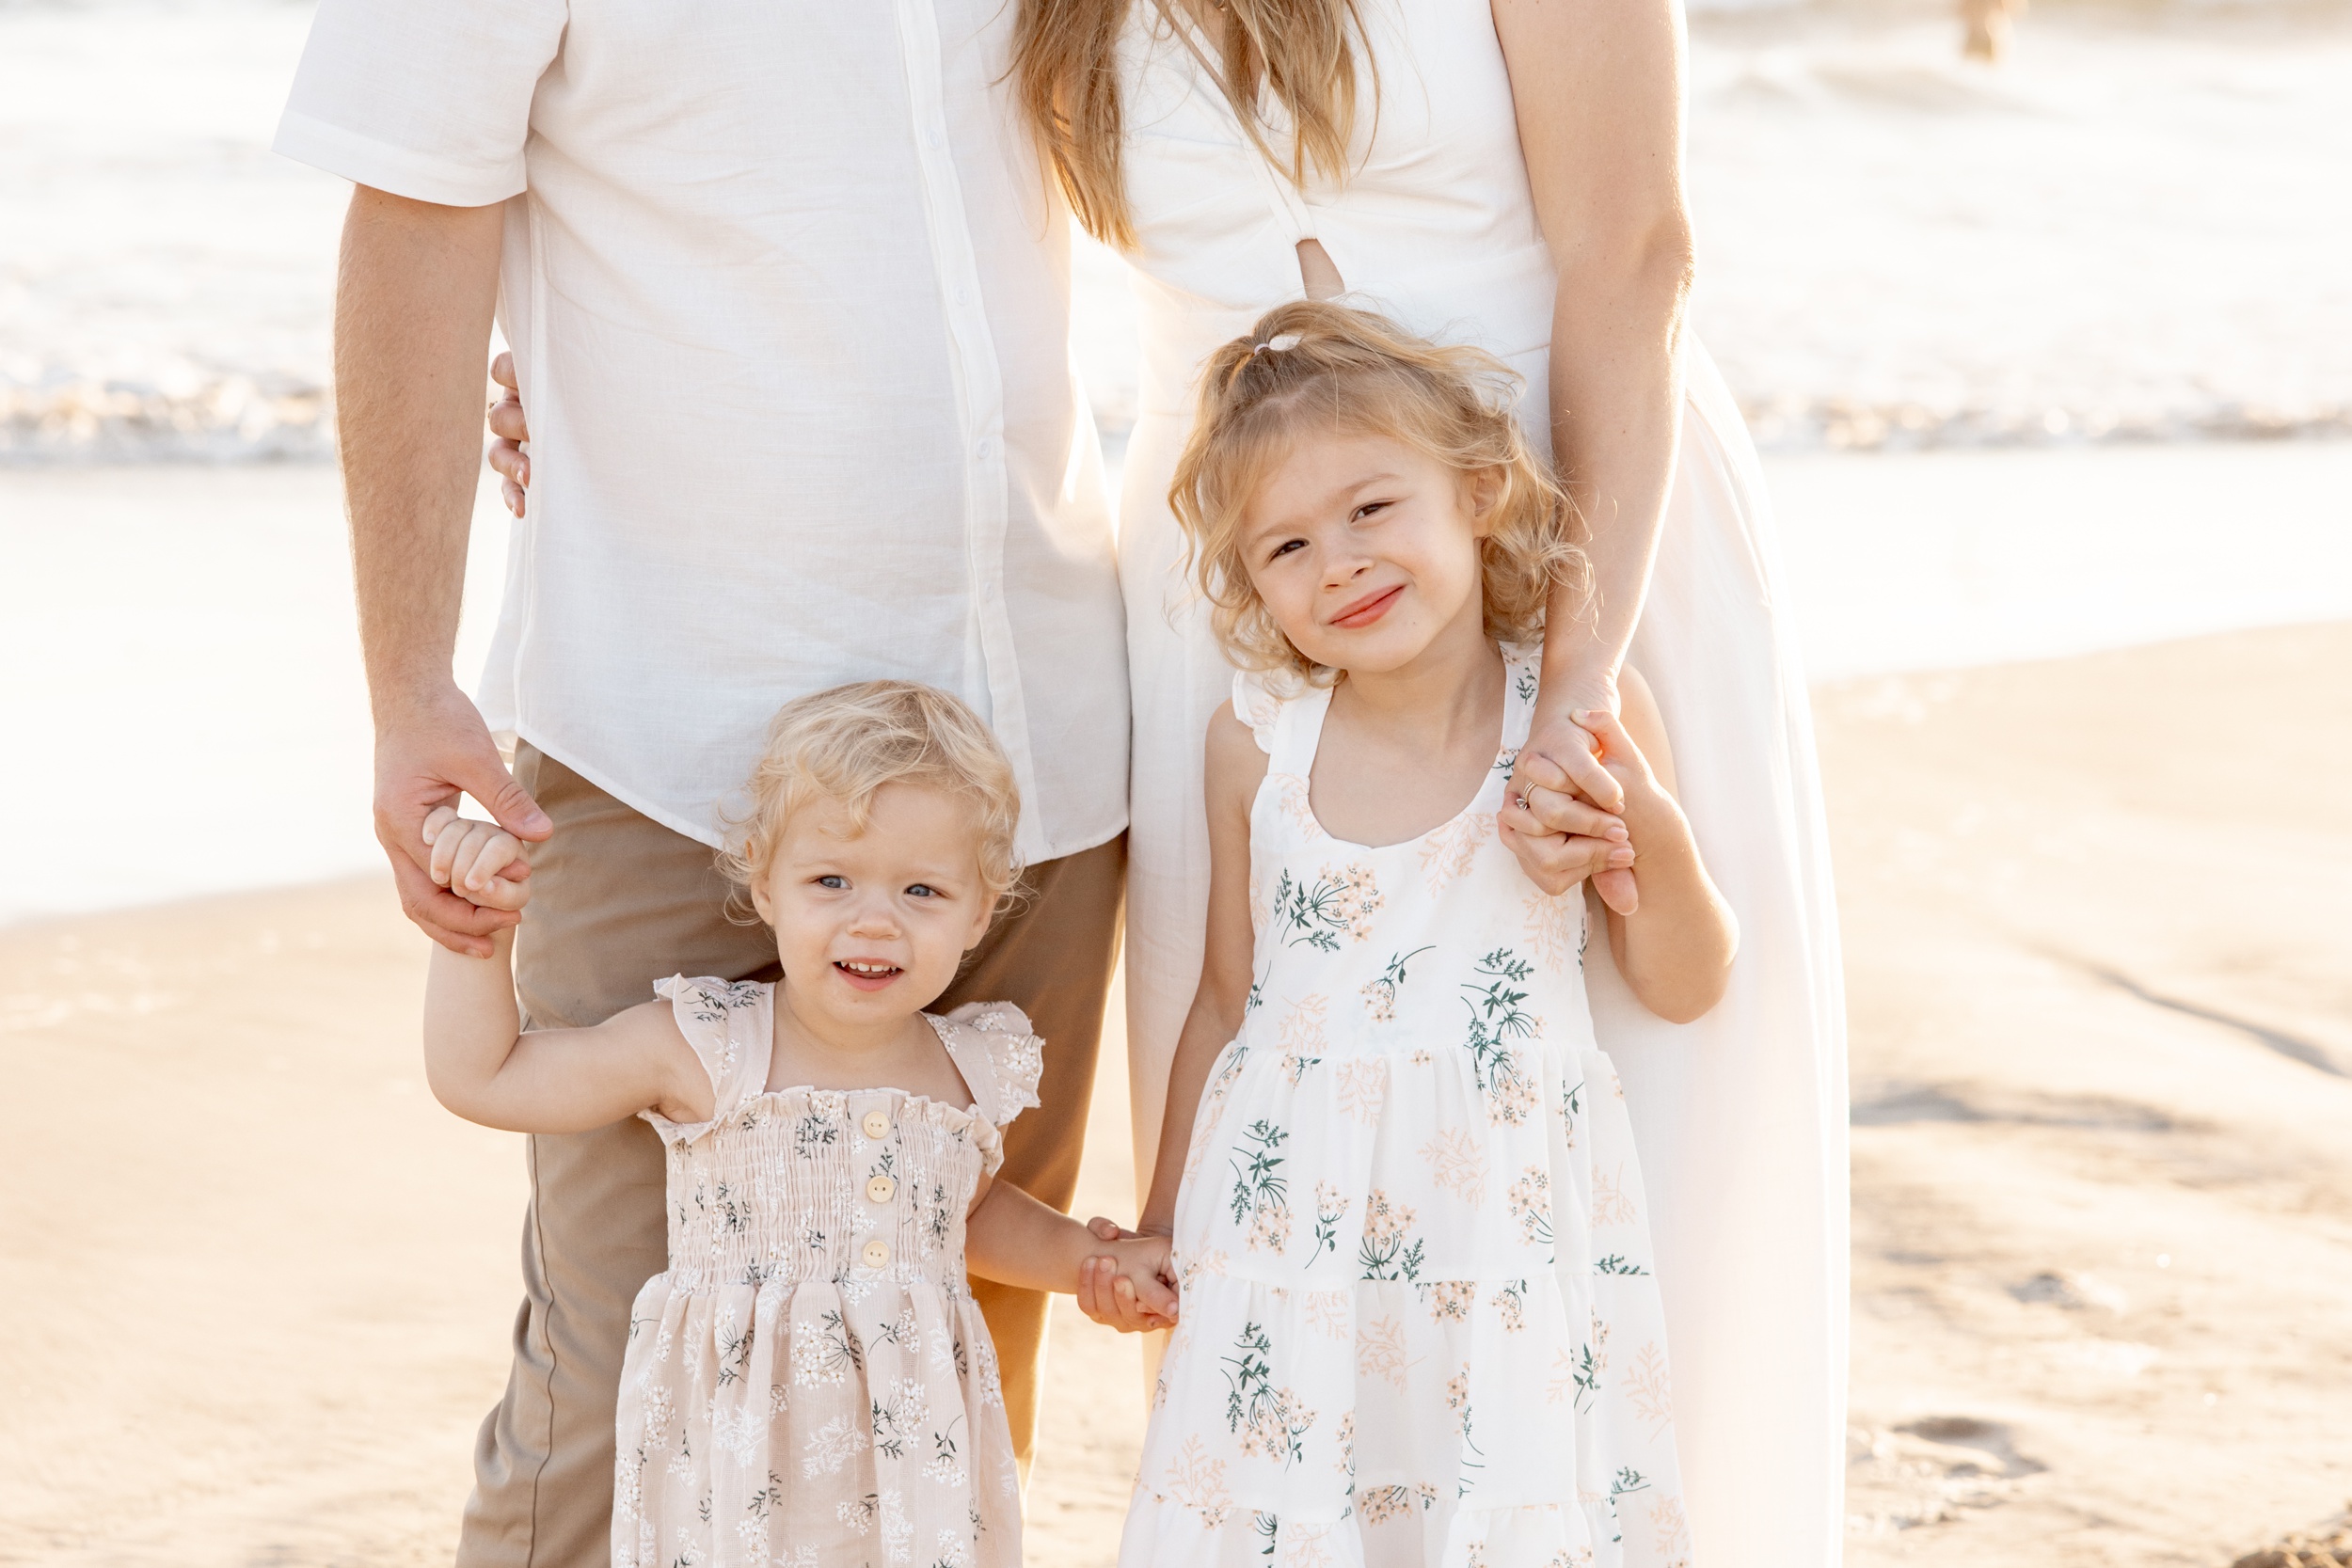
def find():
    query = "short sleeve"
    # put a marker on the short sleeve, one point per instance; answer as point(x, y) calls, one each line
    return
point(1256, 706)
point(728, 1025)
point(1000, 1058)
point(426, 99)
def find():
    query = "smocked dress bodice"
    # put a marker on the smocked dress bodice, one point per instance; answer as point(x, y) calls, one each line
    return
point(811, 1374)
point(846, 1186)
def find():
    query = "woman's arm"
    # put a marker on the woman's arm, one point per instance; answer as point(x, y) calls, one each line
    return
point(1597, 86)
point(1233, 769)
point(1675, 952)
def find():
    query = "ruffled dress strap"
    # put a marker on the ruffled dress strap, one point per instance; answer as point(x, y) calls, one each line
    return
point(730, 1024)
point(1287, 726)
point(1001, 1059)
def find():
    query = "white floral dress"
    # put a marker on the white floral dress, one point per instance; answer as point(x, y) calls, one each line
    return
point(810, 1384)
point(1420, 1326)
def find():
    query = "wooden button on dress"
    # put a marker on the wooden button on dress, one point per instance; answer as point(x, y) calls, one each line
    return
point(876, 1253)
point(877, 1124)
point(880, 1188)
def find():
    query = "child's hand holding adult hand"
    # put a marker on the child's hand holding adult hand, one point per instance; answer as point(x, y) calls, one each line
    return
point(466, 857)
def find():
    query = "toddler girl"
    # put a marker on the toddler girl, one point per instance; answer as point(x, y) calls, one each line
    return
point(810, 1381)
point(1419, 1324)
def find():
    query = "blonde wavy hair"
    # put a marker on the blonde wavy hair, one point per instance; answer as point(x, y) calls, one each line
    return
point(1313, 367)
point(1065, 66)
point(843, 744)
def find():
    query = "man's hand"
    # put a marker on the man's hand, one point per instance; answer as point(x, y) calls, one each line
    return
point(427, 753)
point(508, 430)
point(412, 325)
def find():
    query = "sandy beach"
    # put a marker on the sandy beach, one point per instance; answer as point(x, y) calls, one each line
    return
point(2098, 916)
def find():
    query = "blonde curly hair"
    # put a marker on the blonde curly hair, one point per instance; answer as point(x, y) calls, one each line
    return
point(843, 744)
point(1314, 366)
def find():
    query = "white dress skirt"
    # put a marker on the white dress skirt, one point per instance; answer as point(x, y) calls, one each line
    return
point(1740, 1118)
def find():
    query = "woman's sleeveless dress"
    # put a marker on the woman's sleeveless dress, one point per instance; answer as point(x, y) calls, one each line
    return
point(1420, 1323)
point(1741, 1117)
point(810, 1384)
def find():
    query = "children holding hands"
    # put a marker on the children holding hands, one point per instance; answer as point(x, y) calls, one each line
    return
point(1419, 1324)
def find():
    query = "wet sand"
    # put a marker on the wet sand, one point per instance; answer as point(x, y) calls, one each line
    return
point(2099, 938)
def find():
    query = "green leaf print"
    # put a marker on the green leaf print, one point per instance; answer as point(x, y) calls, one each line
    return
point(1587, 1374)
point(1380, 994)
point(812, 1133)
point(735, 1351)
point(1268, 1420)
point(1261, 1193)
point(1619, 1263)
point(1496, 1020)
point(1628, 1479)
point(1388, 1250)
point(1255, 1180)
point(1331, 1208)
point(1315, 914)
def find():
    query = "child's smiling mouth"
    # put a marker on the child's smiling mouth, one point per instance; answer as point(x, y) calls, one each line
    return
point(1364, 611)
point(866, 973)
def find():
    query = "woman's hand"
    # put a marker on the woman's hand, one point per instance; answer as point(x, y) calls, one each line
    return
point(1560, 813)
point(1112, 1293)
point(505, 453)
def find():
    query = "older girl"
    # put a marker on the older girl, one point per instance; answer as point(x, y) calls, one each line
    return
point(1421, 1322)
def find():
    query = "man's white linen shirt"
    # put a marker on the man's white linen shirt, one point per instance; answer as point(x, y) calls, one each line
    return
point(788, 294)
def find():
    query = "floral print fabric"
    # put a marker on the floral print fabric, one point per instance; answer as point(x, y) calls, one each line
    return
point(810, 1385)
point(1420, 1326)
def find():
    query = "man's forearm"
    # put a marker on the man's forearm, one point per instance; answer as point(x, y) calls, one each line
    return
point(413, 304)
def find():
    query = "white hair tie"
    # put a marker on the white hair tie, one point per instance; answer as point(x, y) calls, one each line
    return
point(1279, 341)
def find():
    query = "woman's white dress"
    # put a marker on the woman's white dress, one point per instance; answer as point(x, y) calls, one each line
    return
point(1420, 1328)
point(1741, 1117)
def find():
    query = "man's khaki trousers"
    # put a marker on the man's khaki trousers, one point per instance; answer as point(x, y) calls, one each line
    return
point(617, 902)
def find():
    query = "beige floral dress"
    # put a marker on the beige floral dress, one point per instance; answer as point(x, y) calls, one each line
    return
point(810, 1385)
point(1420, 1327)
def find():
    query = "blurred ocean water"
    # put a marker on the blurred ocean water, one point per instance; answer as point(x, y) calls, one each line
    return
point(2139, 229)
point(2142, 228)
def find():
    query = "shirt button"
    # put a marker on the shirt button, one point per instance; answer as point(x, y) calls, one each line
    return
point(877, 1125)
point(880, 1188)
point(875, 1254)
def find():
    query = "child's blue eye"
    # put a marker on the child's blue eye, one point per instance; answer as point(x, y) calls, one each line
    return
point(1369, 508)
point(834, 882)
point(924, 890)
point(1285, 547)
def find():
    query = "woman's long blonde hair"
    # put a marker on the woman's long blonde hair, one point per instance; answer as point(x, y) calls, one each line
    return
point(1313, 367)
point(1066, 67)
